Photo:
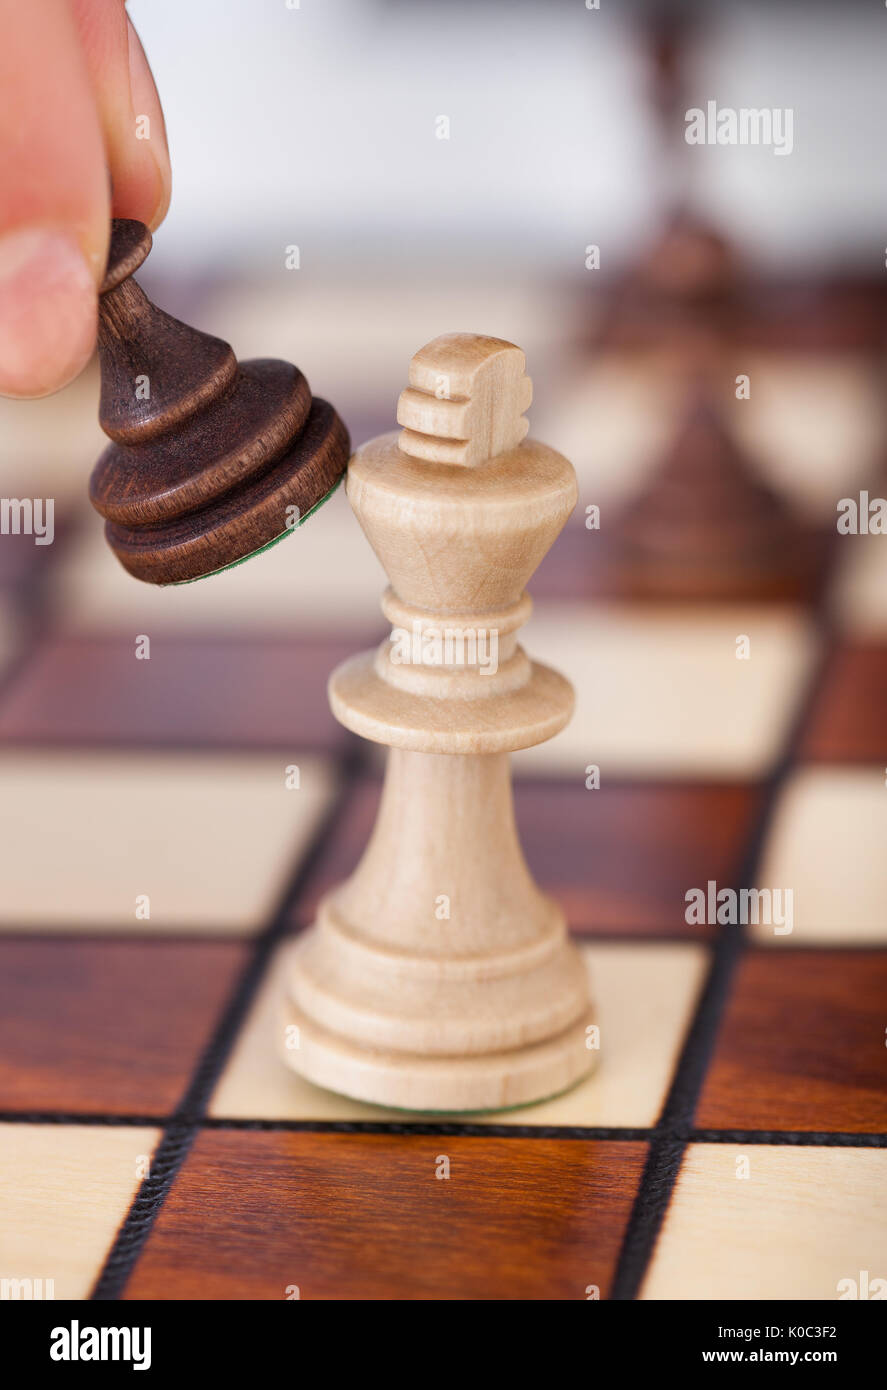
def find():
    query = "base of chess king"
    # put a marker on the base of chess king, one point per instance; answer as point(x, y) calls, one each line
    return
point(375, 1011)
point(451, 1085)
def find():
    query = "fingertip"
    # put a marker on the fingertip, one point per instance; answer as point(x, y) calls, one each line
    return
point(48, 311)
point(151, 127)
point(162, 208)
point(128, 108)
point(54, 207)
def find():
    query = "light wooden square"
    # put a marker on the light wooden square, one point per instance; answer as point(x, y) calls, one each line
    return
point(321, 579)
point(828, 843)
point(813, 425)
point(644, 994)
point(614, 420)
point(811, 428)
point(660, 691)
point(389, 317)
point(210, 839)
point(64, 1190)
point(803, 1221)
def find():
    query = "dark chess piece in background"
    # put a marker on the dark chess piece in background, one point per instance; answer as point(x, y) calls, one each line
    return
point(211, 460)
point(707, 526)
point(681, 300)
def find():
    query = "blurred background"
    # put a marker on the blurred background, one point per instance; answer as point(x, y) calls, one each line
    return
point(317, 125)
point(563, 210)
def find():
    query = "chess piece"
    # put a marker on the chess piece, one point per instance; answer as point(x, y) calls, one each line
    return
point(682, 300)
point(438, 977)
point(211, 460)
point(691, 267)
point(706, 526)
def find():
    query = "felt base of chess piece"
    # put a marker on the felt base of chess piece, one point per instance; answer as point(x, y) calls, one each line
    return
point(439, 977)
point(706, 526)
point(212, 460)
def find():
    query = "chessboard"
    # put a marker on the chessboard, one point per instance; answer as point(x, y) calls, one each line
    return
point(177, 797)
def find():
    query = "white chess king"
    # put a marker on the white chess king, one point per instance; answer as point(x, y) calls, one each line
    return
point(439, 977)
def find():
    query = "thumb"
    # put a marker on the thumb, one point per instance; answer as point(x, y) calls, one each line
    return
point(54, 212)
point(77, 99)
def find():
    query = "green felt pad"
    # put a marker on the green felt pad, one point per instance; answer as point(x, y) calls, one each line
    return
point(262, 548)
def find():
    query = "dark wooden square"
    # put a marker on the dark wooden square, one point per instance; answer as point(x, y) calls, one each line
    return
point(848, 721)
point(107, 1026)
point(364, 1216)
point(193, 692)
point(619, 859)
point(802, 1044)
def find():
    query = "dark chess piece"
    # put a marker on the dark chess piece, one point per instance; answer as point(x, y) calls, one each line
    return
point(706, 526)
point(682, 297)
point(212, 460)
point(691, 264)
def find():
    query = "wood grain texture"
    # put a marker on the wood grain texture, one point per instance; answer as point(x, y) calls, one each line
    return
point(659, 685)
point(466, 400)
point(644, 994)
point(656, 691)
point(130, 246)
point(109, 1027)
point(621, 859)
point(208, 458)
point(848, 721)
point(243, 520)
point(396, 999)
point(364, 1217)
point(617, 860)
point(826, 842)
point(706, 525)
point(268, 598)
point(801, 1045)
point(267, 405)
point(438, 977)
point(800, 1223)
point(64, 1189)
point(195, 692)
point(210, 842)
point(487, 528)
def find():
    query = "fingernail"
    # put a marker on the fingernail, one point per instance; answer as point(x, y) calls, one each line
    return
point(145, 103)
point(48, 311)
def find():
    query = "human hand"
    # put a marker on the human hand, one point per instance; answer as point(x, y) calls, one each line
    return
point(82, 139)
